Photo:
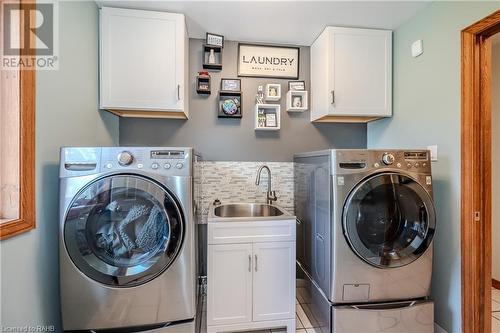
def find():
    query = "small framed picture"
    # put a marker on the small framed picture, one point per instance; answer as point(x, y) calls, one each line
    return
point(296, 85)
point(297, 101)
point(229, 106)
point(230, 85)
point(271, 120)
point(215, 40)
point(273, 92)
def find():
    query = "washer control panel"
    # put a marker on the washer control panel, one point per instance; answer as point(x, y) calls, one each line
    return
point(167, 161)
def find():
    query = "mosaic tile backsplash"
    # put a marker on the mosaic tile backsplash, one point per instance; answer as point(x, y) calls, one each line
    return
point(235, 182)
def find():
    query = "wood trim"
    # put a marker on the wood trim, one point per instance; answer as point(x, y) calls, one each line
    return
point(148, 114)
point(495, 284)
point(26, 221)
point(476, 174)
point(345, 119)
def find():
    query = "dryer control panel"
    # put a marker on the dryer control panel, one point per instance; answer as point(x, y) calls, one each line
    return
point(352, 161)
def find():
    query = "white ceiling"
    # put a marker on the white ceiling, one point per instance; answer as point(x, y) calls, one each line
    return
point(283, 22)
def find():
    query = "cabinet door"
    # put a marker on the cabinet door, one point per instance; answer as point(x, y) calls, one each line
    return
point(142, 62)
point(360, 72)
point(229, 294)
point(274, 281)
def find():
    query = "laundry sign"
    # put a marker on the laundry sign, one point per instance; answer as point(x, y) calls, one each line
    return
point(268, 61)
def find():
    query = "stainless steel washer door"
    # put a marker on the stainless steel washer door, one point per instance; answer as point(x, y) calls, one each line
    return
point(123, 230)
point(389, 220)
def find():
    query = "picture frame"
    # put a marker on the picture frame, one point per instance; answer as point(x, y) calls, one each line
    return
point(212, 57)
point(214, 39)
point(271, 120)
point(267, 117)
point(273, 92)
point(230, 85)
point(297, 101)
point(297, 85)
point(230, 105)
point(268, 61)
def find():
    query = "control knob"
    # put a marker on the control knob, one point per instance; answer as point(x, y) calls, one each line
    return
point(388, 158)
point(125, 158)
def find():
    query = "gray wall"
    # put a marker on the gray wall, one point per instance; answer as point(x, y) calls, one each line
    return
point(427, 111)
point(495, 89)
point(234, 139)
point(67, 114)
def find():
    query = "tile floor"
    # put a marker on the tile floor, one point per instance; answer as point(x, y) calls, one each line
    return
point(495, 307)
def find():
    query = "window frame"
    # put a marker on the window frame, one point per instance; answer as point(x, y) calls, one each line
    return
point(27, 109)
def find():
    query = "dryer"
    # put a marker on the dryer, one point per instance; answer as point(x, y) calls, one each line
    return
point(127, 238)
point(366, 222)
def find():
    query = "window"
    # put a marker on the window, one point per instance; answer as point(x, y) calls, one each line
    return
point(17, 141)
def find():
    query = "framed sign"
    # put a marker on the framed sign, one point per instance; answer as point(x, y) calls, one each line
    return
point(296, 85)
point(268, 61)
point(213, 39)
point(230, 84)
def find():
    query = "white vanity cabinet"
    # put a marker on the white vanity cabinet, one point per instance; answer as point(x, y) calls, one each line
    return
point(143, 63)
point(251, 275)
point(351, 75)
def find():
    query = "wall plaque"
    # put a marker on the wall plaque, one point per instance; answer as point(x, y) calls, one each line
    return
point(268, 61)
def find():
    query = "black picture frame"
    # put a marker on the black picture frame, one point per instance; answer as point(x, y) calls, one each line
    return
point(295, 77)
point(236, 96)
point(235, 89)
point(216, 36)
point(297, 82)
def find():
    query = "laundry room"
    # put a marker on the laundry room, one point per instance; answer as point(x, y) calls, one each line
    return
point(256, 166)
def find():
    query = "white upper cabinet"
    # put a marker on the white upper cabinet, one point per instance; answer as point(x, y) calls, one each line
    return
point(143, 63)
point(351, 75)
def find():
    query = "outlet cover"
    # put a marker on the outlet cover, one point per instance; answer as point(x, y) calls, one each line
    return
point(434, 152)
point(417, 48)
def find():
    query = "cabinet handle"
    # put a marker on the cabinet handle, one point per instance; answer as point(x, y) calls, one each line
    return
point(249, 262)
point(332, 96)
point(256, 263)
point(178, 92)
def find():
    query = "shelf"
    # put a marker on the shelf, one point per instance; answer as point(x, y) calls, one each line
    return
point(296, 101)
point(272, 92)
point(203, 81)
point(265, 114)
point(212, 66)
point(235, 97)
point(217, 54)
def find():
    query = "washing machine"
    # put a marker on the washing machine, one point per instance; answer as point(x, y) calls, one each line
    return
point(127, 238)
point(366, 221)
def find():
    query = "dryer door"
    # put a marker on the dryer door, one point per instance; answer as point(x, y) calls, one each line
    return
point(123, 230)
point(389, 220)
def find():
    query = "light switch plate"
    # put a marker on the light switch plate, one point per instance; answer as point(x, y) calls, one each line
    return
point(417, 48)
point(434, 152)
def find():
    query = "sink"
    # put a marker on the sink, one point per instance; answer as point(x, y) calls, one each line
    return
point(249, 210)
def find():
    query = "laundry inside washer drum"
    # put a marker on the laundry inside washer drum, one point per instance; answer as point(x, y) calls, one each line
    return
point(128, 230)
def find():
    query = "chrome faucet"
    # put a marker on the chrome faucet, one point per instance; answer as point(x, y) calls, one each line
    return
point(271, 195)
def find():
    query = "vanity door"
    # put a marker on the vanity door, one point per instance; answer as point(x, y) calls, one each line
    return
point(273, 281)
point(229, 290)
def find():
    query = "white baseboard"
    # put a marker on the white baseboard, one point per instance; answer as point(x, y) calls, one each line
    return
point(439, 329)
